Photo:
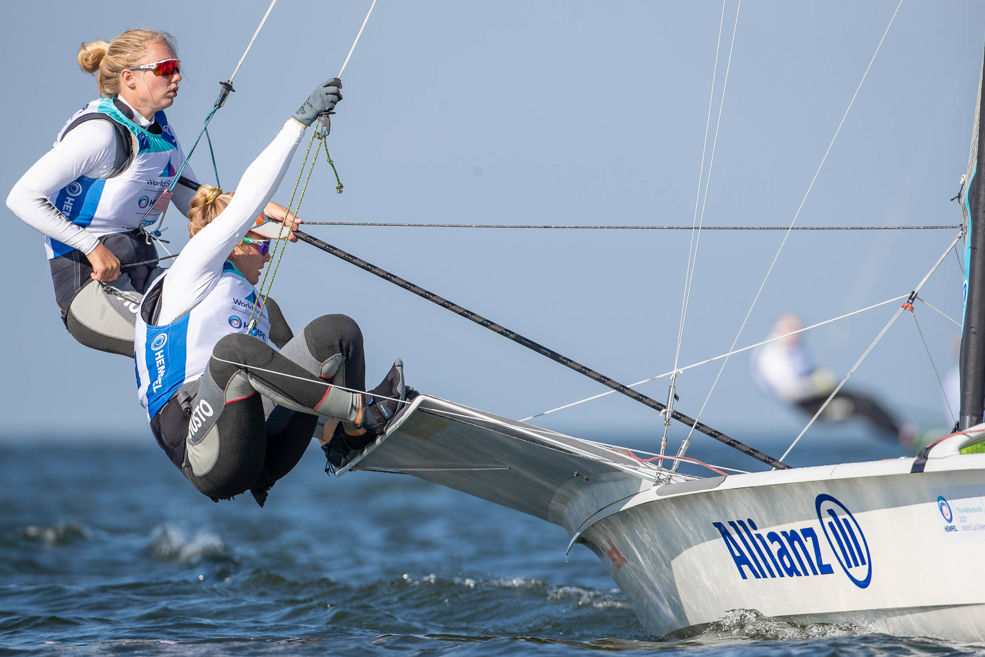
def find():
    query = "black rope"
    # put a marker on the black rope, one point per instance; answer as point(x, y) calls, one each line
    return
point(393, 224)
point(147, 262)
point(390, 224)
point(542, 350)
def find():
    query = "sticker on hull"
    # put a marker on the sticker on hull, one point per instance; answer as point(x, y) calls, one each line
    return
point(810, 551)
point(962, 518)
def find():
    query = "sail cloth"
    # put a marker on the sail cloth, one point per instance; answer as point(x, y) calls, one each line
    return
point(966, 184)
point(557, 478)
point(973, 339)
point(972, 155)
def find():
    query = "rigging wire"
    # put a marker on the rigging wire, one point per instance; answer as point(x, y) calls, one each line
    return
point(940, 312)
point(395, 224)
point(321, 134)
point(868, 350)
point(564, 442)
point(358, 34)
point(933, 366)
point(847, 376)
point(810, 187)
point(721, 356)
point(252, 39)
point(697, 220)
point(687, 459)
point(727, 228)
point(691, 252)
point(539, 348)
point(958, 255)
point(635, 454)
point(215, 167)
point(496, 425)
point(320, 382)
point(279, 248)
point(226, 88)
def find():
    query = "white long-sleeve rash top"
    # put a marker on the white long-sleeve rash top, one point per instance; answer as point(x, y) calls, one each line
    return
point(198, 267)
point(89, 150)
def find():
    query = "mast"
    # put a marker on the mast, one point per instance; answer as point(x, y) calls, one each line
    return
point(972, 358)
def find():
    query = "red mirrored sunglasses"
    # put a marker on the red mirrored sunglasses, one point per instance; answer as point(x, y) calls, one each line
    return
point(167, 67)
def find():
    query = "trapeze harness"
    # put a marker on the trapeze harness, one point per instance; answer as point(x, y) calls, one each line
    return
point(114, 209)
point(200, 367)
point(167, 358)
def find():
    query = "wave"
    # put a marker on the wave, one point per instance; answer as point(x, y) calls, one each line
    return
point(171, 544)
point(55, 535)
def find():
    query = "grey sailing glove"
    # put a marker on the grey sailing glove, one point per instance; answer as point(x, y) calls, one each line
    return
point(321, 100)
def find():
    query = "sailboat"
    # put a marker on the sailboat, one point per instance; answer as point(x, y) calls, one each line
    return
point(888, 546)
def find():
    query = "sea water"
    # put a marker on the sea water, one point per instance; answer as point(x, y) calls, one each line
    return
point(105, 549)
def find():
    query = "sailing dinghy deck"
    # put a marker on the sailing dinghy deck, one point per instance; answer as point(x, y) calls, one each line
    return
point(555, 477)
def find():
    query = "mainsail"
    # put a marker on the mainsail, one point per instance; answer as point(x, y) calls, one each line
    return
point(972, 337)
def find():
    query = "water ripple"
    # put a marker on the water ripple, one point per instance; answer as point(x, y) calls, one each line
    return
point(171, 544)
point(54, 535)
point(364, 565)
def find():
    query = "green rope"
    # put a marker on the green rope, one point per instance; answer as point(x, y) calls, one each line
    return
point(338, 181)
point(278, 248)
point(281, 246)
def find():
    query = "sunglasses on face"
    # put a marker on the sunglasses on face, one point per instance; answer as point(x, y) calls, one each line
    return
point(167, 67)
point(262, 246)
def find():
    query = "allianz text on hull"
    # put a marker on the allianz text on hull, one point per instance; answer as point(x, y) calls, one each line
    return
point(874, 544)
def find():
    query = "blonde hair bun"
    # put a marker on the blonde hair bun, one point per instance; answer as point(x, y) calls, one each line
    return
point(91, 54)
point(207, 203)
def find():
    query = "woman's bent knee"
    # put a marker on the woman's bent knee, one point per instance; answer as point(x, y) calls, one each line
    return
point(330, 334)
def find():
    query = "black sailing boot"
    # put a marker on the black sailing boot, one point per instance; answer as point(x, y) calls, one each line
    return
point(379, 406)
point(340, 447)
point(382, 402)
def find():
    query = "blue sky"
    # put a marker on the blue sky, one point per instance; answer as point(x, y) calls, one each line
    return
point(547, 112)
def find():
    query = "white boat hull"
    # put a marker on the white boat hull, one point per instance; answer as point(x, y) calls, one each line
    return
point(872, 544)
point(871, 548)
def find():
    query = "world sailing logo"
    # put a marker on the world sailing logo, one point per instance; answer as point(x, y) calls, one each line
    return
point(799, 552)
point(945, 509)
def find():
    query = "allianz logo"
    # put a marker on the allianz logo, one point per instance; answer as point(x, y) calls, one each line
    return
point(801, 552)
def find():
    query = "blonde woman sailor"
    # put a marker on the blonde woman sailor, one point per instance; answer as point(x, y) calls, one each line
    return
point(94, 191)
point(232, 411)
